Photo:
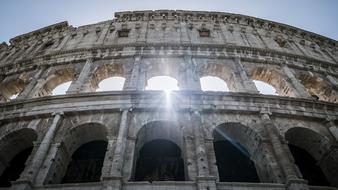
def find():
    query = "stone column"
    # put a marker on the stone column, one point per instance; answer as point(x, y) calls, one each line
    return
point(242, 82)
point(285, 160)
point(77, 85)
point(204, 180)
point(189, 79)
point(135, 81)
point(28, 176)
point(332, 128)
point(298, 87)
point(115, 173)
point(25, 93)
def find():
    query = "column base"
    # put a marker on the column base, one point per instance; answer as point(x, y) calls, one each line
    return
point(22, 185)
point(206, 183)
point(297, 184)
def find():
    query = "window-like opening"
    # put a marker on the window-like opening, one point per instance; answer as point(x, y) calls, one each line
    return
point(204, 33)
point(111, 83)
point(86, 163)
point(159, 160)
point(233, 162)
point(14, 96)
point(61, 89)
point(265, 88)
point(123, 33)
point(15, 167)
point(210, 83)
point(308, 167)
point(164, 83)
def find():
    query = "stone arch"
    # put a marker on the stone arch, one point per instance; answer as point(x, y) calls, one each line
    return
point(167, 134)
point(103, 72)
point(72, 141)
point(275, 79)
point(316, 148)
point(238, 137)
point(15, 149)
point(161, 67)
point(318, 87)
point(54, 79)
point(219, 84)
point(222, 71)
point(12, 85)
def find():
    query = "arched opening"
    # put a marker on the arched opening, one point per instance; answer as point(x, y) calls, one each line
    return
point(308, 166)
point(165, 83)
point(159, 160)
point(318, 88)
point(272, 82)
point(210, 83)
point(111, 84)
point(107, 77)
point(265, 88)
point(12, 86)
point(61, 89)
point(307, 148)
point(15, 148)
point(16, 166)
point(232, 159)
point(57, 82)
point(86, 163)
point(81, 157)
point(159, 153)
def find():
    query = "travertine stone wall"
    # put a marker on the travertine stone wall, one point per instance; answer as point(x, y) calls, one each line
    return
point(185, 45)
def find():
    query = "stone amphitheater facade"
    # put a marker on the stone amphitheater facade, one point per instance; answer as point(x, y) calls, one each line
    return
point(272, 132)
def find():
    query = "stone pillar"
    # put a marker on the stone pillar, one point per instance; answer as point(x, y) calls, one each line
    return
point(25, 93)
point(332, 128)
point(203, 179)
point(242, 82)
point(135, 81)
point(76, 85)
point(28, 176)
point(298, 87)
point(285, 160)
point(189, 79)
point(114, 178)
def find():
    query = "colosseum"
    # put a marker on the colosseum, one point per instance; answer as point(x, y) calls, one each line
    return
point(192, 138)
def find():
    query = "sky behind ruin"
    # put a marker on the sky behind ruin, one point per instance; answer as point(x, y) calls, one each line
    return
point(21, 16)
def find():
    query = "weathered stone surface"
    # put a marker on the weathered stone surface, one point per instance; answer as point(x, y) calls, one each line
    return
point(186, 45)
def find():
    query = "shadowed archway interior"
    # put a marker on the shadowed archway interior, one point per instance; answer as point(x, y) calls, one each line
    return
point(86, 163)
point(160, 160)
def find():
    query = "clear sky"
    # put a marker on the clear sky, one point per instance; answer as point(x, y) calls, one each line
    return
point(22, 16)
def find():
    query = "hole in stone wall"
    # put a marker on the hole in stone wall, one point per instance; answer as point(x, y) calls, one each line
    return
point(308, 167)
point(159, 160)
point(210, 83)
point(164, 83)
point(111, 83)
point(15, 167)
point(61, 89)
point(265, 88)
point(86, 163)
point(14, 96)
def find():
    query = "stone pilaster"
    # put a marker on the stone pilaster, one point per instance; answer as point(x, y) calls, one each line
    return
point(25, 93)
point(135, 80)
point(293, 177)
point(189, 79)
point(77, 85)
point(332, 128)
point(114, 177)
point(242, 82)
point(203, 179)
point(298, 87)
point(28, 176)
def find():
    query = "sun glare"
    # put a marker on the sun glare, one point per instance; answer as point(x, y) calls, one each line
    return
point(165, 83)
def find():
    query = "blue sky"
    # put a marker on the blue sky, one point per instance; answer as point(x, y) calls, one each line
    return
point(22, 16)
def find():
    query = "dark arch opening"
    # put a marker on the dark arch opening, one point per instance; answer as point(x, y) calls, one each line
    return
point(308, 167)
point(234, 163)
point(86, 164)
point(159, 160)
point(15, 167)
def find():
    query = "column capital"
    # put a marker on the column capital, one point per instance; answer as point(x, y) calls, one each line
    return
point(60, 113)
point(265, 114)
point(129, 109)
